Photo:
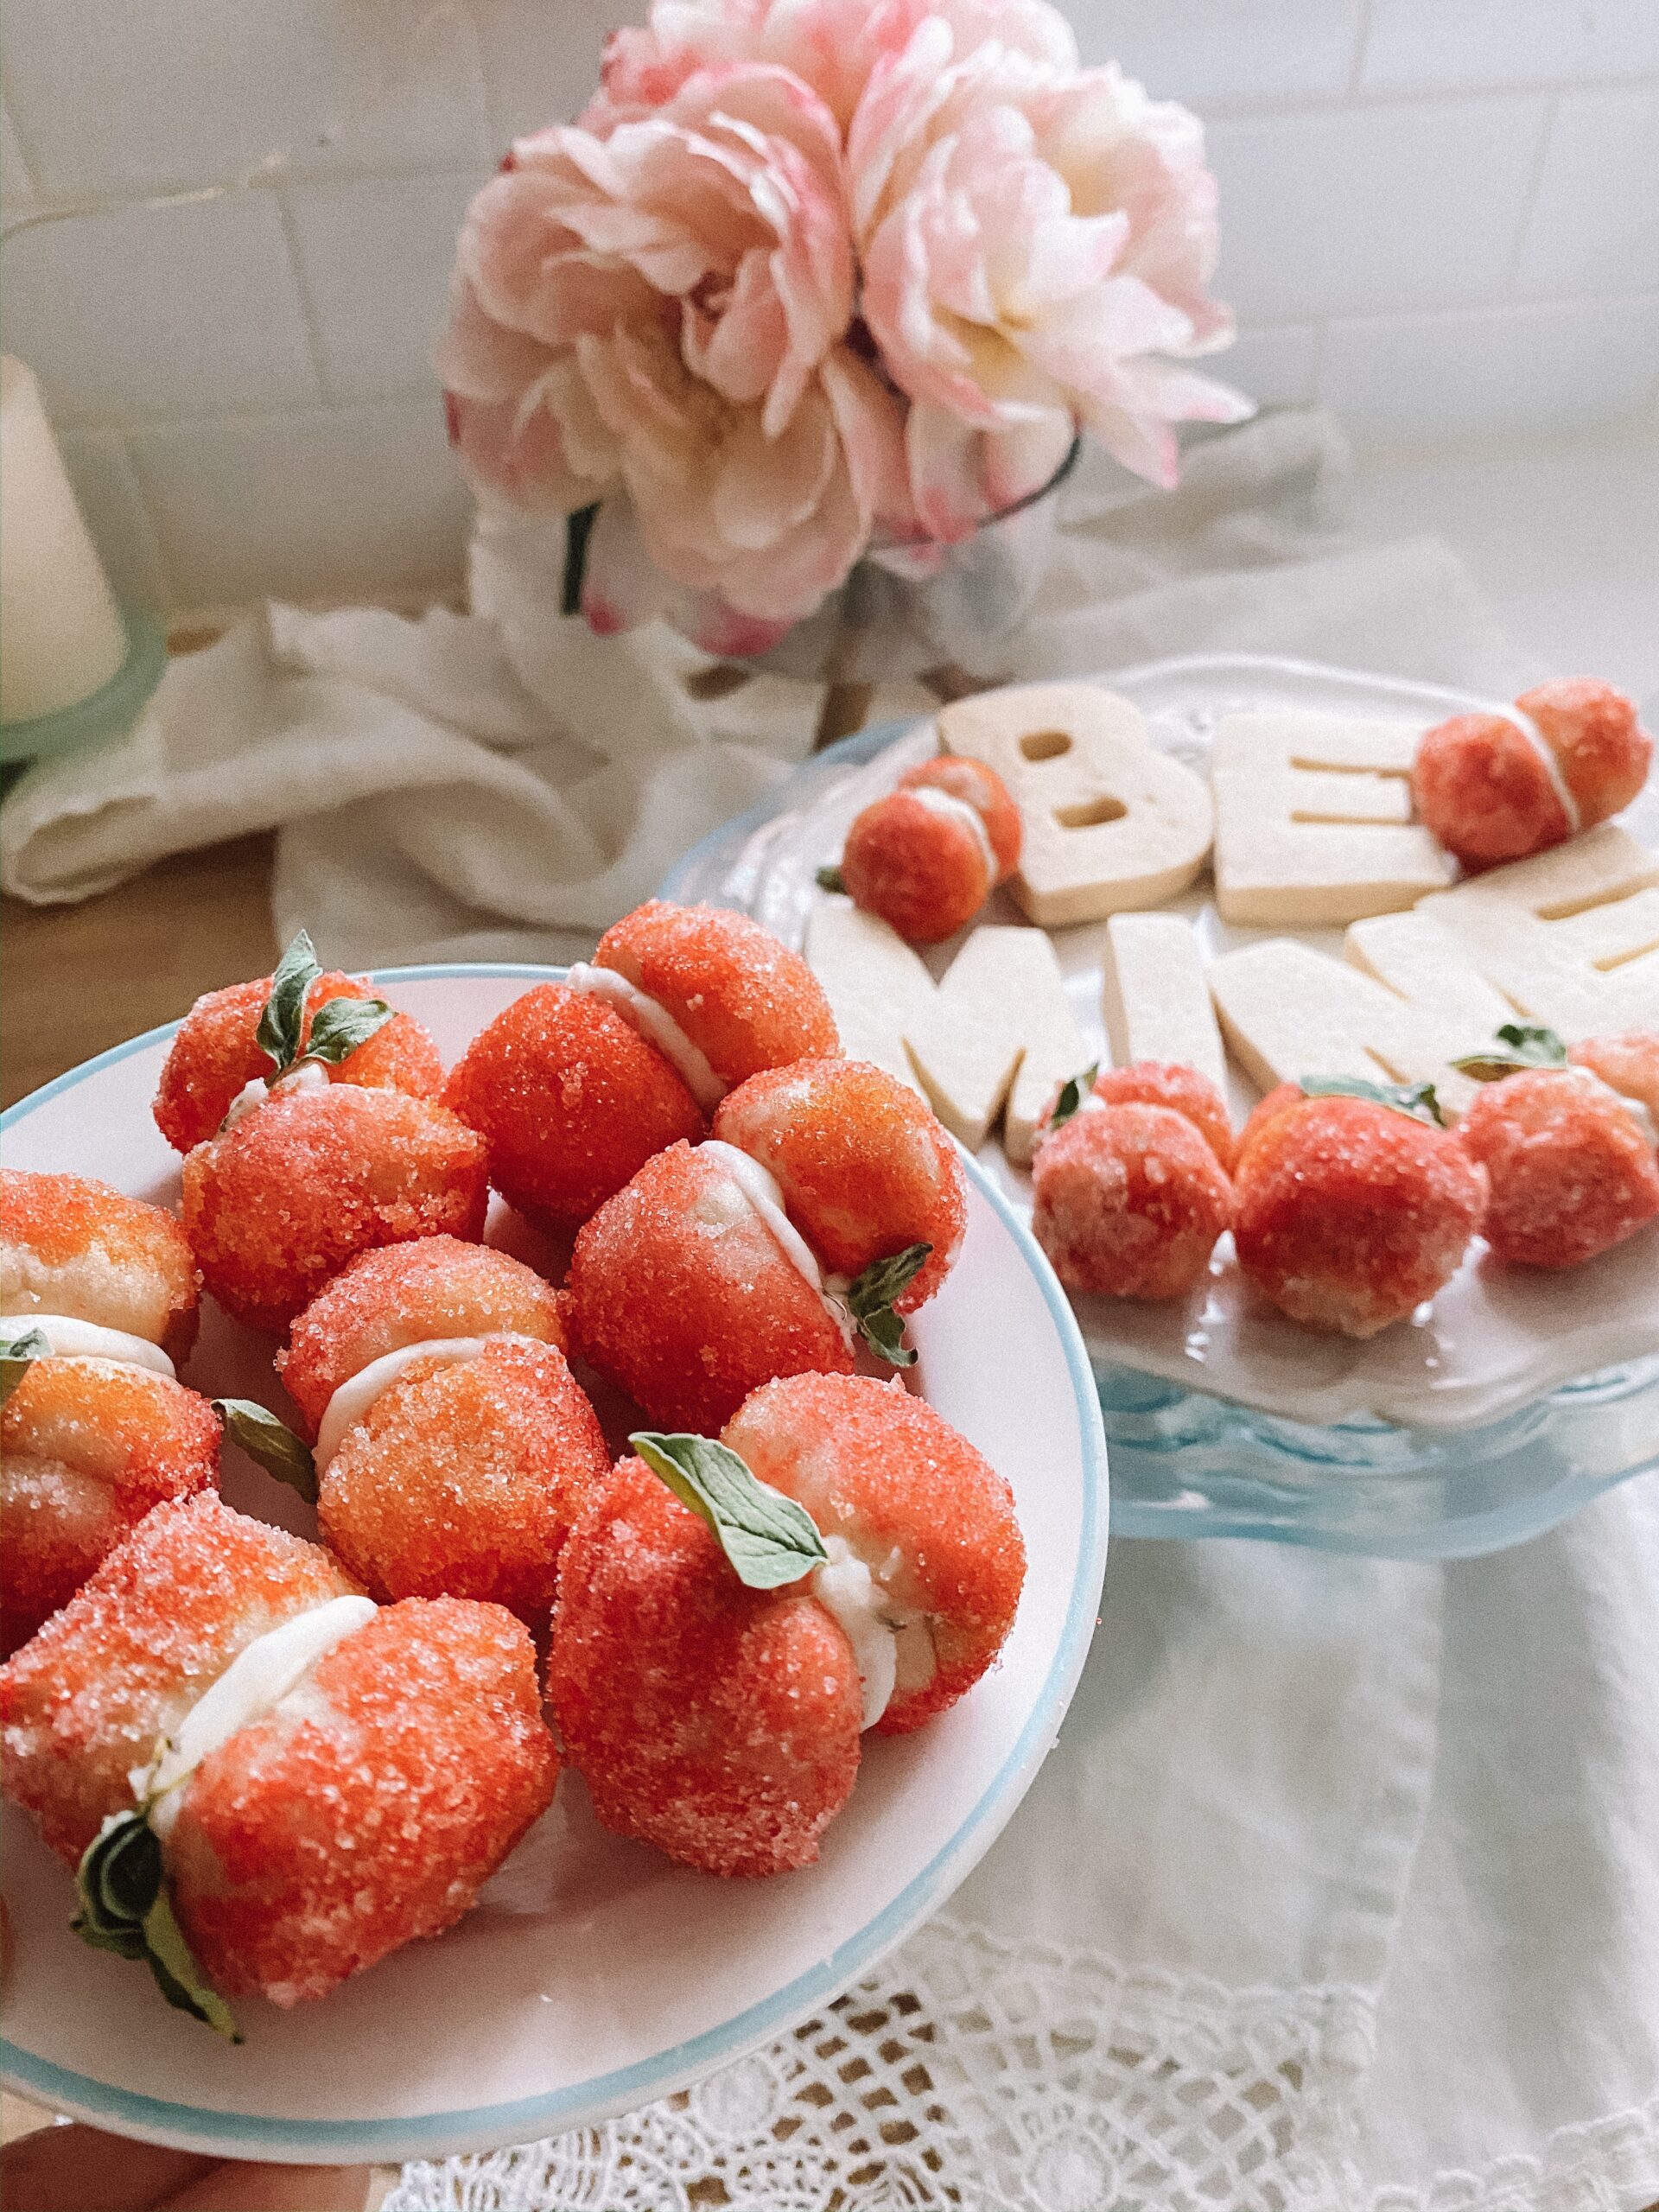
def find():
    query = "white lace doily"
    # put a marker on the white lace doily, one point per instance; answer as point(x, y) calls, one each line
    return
point(968, 2073)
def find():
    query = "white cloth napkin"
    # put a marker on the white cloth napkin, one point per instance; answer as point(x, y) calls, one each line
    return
point(1340, 1892)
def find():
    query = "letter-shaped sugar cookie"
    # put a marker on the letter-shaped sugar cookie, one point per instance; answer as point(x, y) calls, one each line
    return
point(996, 1036)
point(1156, 996)
point(1289, 1011)
point(1571, 936)
point(1314, 820)
point(1109, 824)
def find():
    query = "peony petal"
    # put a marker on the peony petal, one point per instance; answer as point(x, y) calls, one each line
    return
point(767, 486)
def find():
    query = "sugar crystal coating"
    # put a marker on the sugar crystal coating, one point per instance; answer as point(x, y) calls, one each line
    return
point(1572, 1172)
point(88, 1447)
point(1171, 1083)
point(463, 1481)
point(1481, 789)
point(865, 1165)
point(1629, 1063)
point(981, 787)
point(1128, 1201)
point(72, 1245)
point(914, 1499)
point(745, 1000)
point(402, 1294)
point(719, 1723)
point(1348, 1214)
point(123, 1662)
point(216, 1054)
point(369, 1809)
point(572, 1101)
point(280, 1203)
point(1599, 745)
point(922, 872)
point(680, 1294)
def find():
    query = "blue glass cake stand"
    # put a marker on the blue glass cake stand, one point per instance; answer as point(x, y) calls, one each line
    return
point(1186, 1463)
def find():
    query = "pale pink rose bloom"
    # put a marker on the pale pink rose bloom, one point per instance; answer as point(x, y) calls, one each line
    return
point(1036, 251)
point(831, 45)
point(735, 533)
point(715, 228)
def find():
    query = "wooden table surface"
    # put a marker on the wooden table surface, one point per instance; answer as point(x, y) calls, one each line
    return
point(78, 979)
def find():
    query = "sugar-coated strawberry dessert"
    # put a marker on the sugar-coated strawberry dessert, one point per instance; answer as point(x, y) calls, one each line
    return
point(927, 855)
point(217, 1054)
point(1171, 1083)
point(926, 1561)
point(1496, 787)
point(306, 1173)
point(241, 1751)
point(712, 1682)
point(1351, 1210)
point(828, 1204)
point(1128, 1202)
point(453, 1447)
point(865, 1165)
point(1569, 1143)
point(80, 1248)
point(87, 1446)
point(576, 1085)
point(98, 1293)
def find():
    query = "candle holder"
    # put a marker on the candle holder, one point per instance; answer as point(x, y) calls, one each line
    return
point(104, 714)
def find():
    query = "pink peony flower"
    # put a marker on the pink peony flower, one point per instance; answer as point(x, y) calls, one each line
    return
point(677, 288)
point(1033, 246)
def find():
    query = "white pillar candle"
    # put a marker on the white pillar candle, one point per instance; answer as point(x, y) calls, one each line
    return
point(62, 635)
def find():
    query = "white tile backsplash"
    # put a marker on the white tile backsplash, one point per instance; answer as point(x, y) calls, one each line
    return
point(1428, 46)
point(305, 506)
point(172, 311)
point(134, 95)
point(1211, 52)
point(1411, 379)
point(1363, 209)
point(375, 340)
point(1440, 217)
point(1595, 225)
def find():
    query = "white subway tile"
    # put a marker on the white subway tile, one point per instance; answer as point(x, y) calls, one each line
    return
point(110, 499)
point(16, 186)
point(319, 504)
point(1221, 51)
point(1492, 372)
point(374, 257)
point(541, 57)
point(1366, 209)
point(133, 95)
point(1442, 45)
point(1595, 225)
point(168, 311)
point(1278, 367)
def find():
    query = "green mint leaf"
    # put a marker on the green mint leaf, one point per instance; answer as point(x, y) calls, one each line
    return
point(271, 1442)
point(830, 879)
point(1520, 1044)
point(768, 1538)
point(870, 1299)
point(339, 1026)
point(126, 1908)
point(1072, 1095)
point(1417, 1100)
point(18, 1352)
point(283, 1022)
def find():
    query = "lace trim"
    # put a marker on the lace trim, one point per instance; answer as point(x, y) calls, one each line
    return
point(1602, 2165)
point(966, 2072)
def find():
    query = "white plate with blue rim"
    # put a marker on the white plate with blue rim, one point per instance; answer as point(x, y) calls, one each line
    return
point(595, 1976)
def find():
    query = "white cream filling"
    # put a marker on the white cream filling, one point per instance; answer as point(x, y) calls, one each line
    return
point(765, 1195)
point(1540, 744)
point(958, 810)
point(310, 1075)
point(353, 1397)
point(892, 1649)
point(73, 1339)
point(256, 1682)
point(657, 1026)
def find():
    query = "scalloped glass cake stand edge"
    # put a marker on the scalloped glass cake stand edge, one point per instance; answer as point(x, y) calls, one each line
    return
point(1185, 1464)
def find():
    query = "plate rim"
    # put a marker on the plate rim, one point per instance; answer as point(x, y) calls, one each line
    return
point(524, 2119)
